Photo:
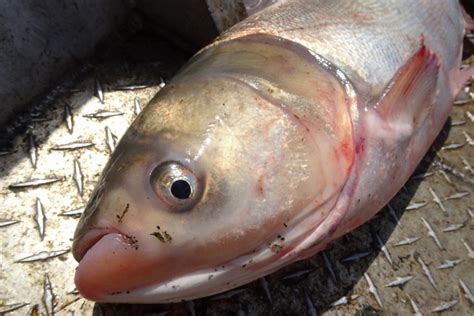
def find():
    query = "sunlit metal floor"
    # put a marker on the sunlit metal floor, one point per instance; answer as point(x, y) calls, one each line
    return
point(416, 256)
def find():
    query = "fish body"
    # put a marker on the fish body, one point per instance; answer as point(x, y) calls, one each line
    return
point(291, 129)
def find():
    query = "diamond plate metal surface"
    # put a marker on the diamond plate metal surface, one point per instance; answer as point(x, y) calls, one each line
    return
point(415, 257)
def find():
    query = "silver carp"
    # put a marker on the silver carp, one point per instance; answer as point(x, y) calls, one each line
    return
point(291, 129)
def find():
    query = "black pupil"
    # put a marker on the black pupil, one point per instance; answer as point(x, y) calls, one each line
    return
point(181, 189)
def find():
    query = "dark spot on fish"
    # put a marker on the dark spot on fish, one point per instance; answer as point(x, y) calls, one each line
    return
point(360, 145)
point(276, 248)
point(167, 236)
point(244, 265)
point(120, 217)
point(210, 277)
point(259, 187)
point(296, 116)
point(159, 236)
point(164, 236)
point(133, 241)
point(284, 224)
point(128, 292)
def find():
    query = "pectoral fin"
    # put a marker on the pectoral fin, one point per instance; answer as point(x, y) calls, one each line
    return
point(409, 97)
point(467, 18)
point(461, 78)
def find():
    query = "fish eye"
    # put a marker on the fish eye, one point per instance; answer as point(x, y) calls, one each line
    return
point(176, 185)
point(181, 189)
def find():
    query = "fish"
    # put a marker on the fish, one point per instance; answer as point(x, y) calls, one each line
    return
point(291, 129)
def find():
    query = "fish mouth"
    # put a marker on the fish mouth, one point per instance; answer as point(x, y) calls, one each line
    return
point(82, 244)
point(112, 262)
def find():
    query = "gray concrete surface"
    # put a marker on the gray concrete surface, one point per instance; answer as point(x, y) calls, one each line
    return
point(196, 27)
point(42, 39)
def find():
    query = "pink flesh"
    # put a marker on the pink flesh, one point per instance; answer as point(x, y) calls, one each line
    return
point(110, 266)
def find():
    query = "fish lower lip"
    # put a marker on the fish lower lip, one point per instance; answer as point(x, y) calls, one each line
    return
point(88, 240)
point(114, 264)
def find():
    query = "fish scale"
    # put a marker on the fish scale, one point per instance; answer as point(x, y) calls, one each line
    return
point(332, 32)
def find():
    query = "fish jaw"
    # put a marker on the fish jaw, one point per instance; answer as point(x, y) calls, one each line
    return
point(108, 261)
point(83, 244)
point(270, 168)
point(112, 262)
point(265, 259)
point(115, 265)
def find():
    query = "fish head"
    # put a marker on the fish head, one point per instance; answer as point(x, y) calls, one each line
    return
point(204, 189)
